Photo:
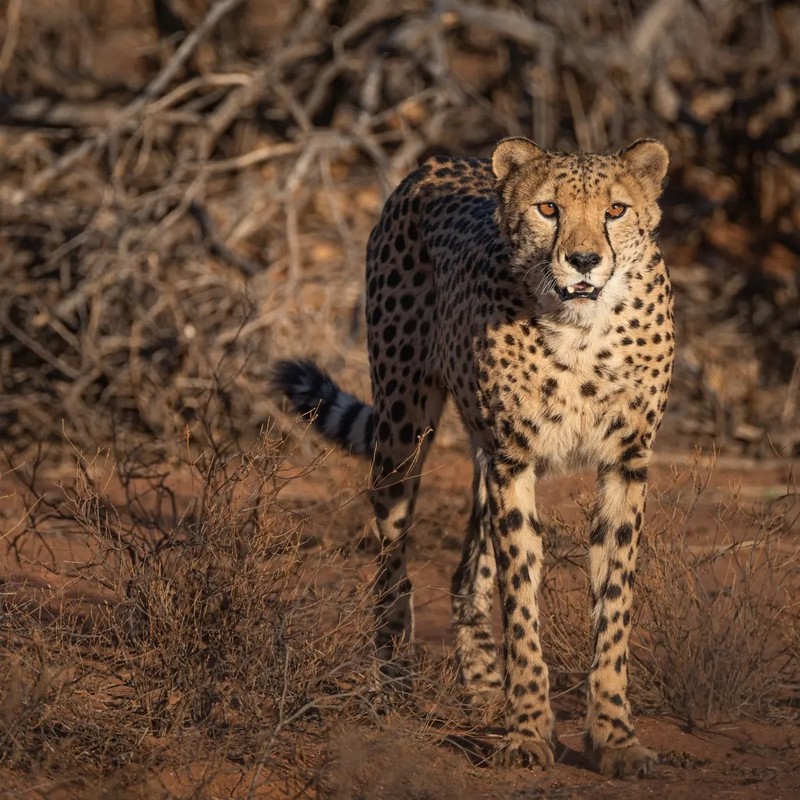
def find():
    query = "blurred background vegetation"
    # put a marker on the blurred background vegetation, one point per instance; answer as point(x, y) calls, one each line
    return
point(186, 188)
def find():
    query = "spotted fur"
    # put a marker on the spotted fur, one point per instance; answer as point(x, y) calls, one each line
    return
point(531, 289)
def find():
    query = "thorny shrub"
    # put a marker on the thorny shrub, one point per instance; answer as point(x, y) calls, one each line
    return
point(718, 611)
point(715, 616)
point(194, 606)
point(193, 614)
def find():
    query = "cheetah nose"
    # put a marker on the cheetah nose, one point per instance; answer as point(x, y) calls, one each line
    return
point(583, 262)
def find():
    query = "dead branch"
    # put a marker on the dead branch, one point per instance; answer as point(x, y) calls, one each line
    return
point(186, 49)
point(40, 111)
point(13, 20)
point(292, 131)
point(218, 248)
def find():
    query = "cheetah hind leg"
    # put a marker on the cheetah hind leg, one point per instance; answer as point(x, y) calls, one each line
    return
point(472, 589)
point(398, 463)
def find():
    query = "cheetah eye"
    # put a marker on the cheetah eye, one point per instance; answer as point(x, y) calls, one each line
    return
point(548, 210)
point(616, 210)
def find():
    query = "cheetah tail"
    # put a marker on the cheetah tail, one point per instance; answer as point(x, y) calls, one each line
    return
point(338, 415)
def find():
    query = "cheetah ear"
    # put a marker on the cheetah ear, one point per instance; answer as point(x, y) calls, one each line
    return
point(512, 153)
point(649, 161)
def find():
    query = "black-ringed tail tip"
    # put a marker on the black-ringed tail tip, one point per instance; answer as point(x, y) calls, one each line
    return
point(339, 416)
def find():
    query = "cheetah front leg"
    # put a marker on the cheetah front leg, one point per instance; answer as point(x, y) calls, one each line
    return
point(610, 739)
point(517, 538)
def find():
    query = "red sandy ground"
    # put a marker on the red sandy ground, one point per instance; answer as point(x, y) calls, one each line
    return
point(733, 760)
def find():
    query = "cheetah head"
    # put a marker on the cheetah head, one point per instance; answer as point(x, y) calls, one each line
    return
point(578, 223)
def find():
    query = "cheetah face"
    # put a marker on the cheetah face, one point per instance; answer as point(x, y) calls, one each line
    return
point(578, 223)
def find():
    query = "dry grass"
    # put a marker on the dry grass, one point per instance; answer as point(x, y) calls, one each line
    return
point(194, 613)
point(719, 611)
point(716, 613)
point(191, 619)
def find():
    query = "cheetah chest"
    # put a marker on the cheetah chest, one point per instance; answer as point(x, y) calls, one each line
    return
point(551, 394)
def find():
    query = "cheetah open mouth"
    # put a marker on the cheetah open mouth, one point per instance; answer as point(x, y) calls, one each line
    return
point(578, 291)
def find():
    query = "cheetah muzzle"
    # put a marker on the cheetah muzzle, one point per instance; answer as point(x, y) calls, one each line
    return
point(479, 279)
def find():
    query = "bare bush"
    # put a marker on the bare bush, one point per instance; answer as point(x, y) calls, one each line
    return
point(189, 618)
point(715, 623)
point(717, 614)
point(194, 611)
point(178, 191)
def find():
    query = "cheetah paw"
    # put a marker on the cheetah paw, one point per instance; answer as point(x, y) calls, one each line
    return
point(634, 761)
point(525, 752)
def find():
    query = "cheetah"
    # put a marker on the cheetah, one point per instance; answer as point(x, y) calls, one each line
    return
point(532, 290)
